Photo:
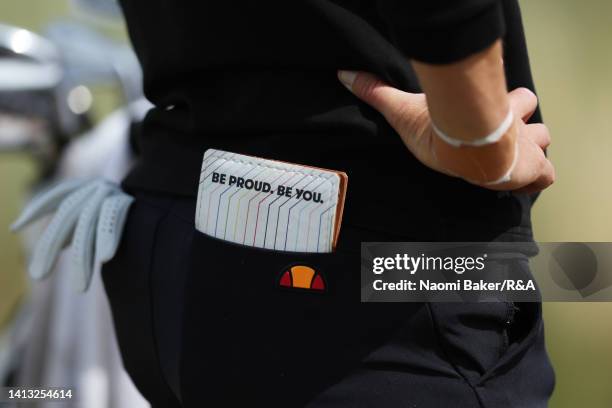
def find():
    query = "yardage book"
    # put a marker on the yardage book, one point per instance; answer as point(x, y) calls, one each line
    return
point(269, 204)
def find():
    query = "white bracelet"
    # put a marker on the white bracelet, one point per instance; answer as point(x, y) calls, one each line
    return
point(489, 139)
point(508, 175)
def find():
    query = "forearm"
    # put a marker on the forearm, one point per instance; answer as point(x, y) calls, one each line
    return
point(468, 100)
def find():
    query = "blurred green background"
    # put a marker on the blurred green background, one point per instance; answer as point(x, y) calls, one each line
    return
point(572, 65)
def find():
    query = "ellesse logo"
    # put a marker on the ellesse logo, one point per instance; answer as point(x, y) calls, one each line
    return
point(302, 277)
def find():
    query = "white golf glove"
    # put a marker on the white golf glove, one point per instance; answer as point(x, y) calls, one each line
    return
point(90, 214)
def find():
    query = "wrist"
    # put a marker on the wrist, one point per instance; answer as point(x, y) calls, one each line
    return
point(480, 165)
point(489, 138)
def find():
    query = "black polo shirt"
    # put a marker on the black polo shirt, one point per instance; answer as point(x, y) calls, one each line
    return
point(259, 78)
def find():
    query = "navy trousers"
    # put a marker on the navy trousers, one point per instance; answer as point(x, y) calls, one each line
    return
point(206, 323)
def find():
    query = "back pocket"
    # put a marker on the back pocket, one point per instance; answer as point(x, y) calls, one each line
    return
point(271, 323)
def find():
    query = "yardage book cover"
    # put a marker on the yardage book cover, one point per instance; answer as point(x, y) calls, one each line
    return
point(269, 204)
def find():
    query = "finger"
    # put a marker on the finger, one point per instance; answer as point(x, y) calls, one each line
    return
point(539, 134)
point(45, 203)
point(523, 103)
point(58, 232)
point(83, 241)
point(545, 179)
point(113, 216)
point(393, 103)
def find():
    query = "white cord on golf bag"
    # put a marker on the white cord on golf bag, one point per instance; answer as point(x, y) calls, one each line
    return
point(90, 214)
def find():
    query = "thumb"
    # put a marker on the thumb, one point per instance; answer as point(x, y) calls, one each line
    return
point(523, 102)
point(393, 103)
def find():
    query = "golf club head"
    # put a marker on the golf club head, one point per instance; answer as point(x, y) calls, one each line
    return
point(29, 61)
point(35, 113)
point(29, 73)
